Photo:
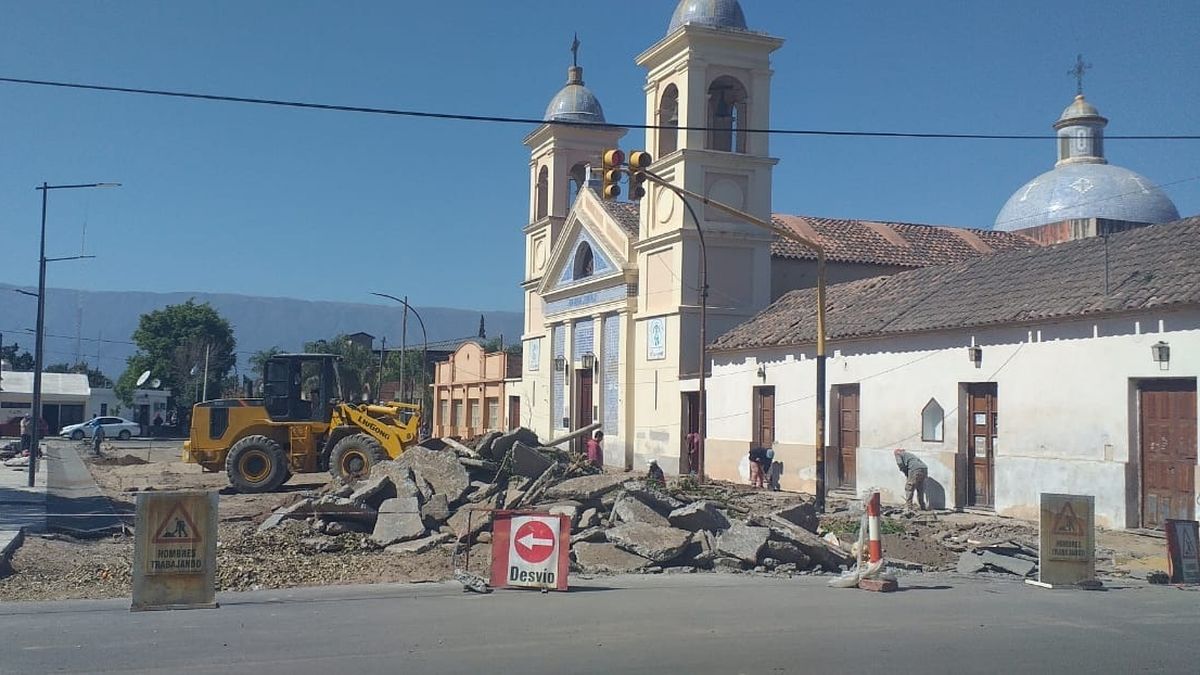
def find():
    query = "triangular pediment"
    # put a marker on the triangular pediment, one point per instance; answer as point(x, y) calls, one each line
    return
point(584, 253)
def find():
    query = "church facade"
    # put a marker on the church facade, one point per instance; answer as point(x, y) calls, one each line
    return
point(612, 288)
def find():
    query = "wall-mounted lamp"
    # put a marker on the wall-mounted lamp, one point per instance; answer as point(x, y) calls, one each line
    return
point(588, 360)
point(762, 372)
point(1161, 352)
point(560, 363)
point(975, 354)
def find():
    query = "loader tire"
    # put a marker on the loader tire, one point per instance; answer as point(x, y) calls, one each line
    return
point(256, 464)
point(353, 457)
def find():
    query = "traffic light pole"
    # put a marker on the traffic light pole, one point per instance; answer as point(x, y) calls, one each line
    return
point(786, 233)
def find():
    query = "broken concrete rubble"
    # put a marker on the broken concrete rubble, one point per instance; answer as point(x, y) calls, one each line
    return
point(629, 508)
point(399, 520)
point(699, 515)
point(743, 542)
point(436, 511)
point(586, 488)
point(529, 462)
point(607, 558)
point(440, 469)
point(504, 443)
point(655, 543)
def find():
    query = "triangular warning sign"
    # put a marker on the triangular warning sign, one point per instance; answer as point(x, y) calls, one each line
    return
point(1187, 545)
point(1066, 522)
point(177, 528)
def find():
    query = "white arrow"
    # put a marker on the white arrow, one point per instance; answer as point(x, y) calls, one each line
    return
point(530, 541)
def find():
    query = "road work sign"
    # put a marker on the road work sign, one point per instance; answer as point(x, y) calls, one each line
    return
point(1067, 538)
point(175, 550)
point(530, 550)
point(1183, 551)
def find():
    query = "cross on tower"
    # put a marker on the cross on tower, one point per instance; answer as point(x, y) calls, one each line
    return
point(1078, 71)
point(575, 51)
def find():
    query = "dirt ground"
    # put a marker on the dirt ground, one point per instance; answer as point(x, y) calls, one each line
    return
point(55, 567)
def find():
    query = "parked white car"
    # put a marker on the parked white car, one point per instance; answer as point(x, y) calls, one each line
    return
point(114, 427)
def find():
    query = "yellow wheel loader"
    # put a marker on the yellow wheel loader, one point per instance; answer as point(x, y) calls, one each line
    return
point(302, 424)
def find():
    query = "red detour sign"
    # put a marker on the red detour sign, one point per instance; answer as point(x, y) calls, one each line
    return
point(530, 550)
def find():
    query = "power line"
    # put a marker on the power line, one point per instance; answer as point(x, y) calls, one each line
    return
point(501, 119)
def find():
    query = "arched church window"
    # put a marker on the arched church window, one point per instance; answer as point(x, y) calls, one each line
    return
point(668, 116)
point(576, 180)
point(933, 422)
point(585, 262)
point(543, 192)
point(727, 115)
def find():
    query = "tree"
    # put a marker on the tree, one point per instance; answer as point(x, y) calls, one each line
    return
point(359, 367)
point(22, 361)
point(172, 342)
point(258, 361)
point(482, 329)
point(96, 378)
point(497, 344)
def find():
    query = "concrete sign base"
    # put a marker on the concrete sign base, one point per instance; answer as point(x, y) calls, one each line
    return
point(175, 551)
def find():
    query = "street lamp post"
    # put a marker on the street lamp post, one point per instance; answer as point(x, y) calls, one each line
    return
point(786, 233)
point(424, 336)
point(35, 428)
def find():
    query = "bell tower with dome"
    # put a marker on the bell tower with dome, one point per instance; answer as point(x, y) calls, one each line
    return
point(561, 161)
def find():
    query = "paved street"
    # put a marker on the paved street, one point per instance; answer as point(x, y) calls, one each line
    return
point(647, 624)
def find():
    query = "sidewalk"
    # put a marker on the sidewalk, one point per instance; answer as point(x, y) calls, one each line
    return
point(74, 502)
point(21, 506)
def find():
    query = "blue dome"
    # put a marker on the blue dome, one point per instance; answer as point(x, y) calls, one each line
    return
point(726, 14)
point(574, 102)
point(1086, 191)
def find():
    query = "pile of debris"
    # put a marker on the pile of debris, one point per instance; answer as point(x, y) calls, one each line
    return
point(1007, 557)
point(442, 494)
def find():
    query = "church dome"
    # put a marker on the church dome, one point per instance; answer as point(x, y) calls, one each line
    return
point(1082, 183)
point(1086, 191)
point(725, 14)
point(574, 102)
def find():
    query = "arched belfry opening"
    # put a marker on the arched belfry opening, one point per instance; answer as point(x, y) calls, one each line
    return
point(576, 180)
point(585, 262)
point(668, 116)
point(543, 193)
point(727, 115)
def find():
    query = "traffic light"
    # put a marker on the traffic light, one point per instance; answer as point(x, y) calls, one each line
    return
point(639, 161)
point(610, 183)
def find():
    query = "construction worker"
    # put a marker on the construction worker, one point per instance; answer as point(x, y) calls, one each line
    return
point(916, 472)
point(654, 473)
point(26, 430)
point(760, 465)
point(595, 451)
point(97, 439)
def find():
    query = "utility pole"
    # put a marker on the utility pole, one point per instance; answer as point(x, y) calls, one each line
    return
point(382, 351)
point(819, 440)
point(205, 395)
point(405, 393)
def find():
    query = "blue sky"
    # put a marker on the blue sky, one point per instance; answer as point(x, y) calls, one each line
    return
point(268, 201)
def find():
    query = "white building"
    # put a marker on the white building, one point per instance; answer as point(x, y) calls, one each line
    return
point(67, 398)
point(1069, 369)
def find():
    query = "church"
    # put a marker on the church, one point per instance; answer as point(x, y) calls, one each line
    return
point(612, 296)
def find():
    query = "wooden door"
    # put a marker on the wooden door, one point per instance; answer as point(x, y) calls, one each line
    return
point(691, 425)
point(583, 405)
point(514, 412)
point(764, 417)
point(847, 435)
point(1168, 442)
point(981, 444)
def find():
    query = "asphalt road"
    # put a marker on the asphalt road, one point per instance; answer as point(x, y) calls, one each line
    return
point(640, 624)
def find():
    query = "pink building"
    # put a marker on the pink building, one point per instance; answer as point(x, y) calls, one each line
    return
point(470, 392)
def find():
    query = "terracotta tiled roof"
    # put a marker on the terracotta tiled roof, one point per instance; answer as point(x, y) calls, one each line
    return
point(625, 213)
point(869, 242)
point(1148, 267)
point(887, 243)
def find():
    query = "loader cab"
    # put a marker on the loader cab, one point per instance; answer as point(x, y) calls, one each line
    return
point(301, 387)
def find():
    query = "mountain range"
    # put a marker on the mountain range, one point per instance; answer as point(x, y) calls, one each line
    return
point(96, 326)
